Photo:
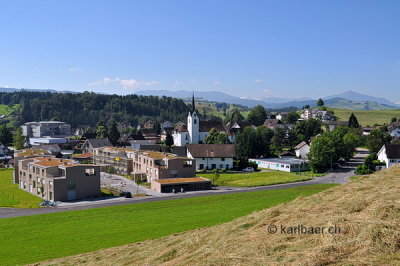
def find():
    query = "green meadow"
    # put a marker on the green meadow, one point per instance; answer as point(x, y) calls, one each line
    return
point(41, 237)
point(12, 196)
point(254, 179)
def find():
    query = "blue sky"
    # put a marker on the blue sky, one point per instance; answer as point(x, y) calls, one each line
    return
point(245, 48)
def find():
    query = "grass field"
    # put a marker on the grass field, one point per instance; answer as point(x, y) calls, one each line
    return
point(255, 179)
point(12, 196)
point(368, 117)
point(6, 110)
point(40, 237)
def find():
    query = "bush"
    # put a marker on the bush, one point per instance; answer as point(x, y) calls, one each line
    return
point(201, 171)
point(252, 164)
point(223, 170)
point(363, 170)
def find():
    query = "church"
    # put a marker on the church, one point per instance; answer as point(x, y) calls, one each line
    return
point(195, 131)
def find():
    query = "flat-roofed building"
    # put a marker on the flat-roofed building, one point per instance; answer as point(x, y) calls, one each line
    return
point(45, 128)
point(171, 185)
point(282, 164)
point(26, 154)
point(143, 164)
point(56, 179)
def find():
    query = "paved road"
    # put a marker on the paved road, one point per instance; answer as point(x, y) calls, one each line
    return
point(339, 176)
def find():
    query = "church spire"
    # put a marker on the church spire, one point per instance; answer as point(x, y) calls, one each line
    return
point(193, 105)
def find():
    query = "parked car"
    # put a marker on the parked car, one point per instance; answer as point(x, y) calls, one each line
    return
point(248, 169)
point(126, 194)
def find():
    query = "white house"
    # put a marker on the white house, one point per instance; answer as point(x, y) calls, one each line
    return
point(394, 129)
point(302, 149)
point(316, 114)
point(389, 154)
point(212, 156)
point(195, 131)
point(282, 164)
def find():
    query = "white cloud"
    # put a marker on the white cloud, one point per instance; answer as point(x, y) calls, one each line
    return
point(216, 83)
point(267, 92)
point(131, 84)
point(258, 81)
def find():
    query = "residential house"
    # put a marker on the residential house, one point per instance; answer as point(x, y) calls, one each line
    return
point(272, 123)
point(394, 129)
point(315, 113)
point(302, 150)
point(58, 179)
point(126, 138)
point(45, 128)
point(335, 124)
point(91, 144)
point(212, 156)
point(150, 134)
point(389, 154)
point(5, 153)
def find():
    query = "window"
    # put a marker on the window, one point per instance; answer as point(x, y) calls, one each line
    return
point(90, 172)
point(34, 184)
point(222, 159)
point(195, 121)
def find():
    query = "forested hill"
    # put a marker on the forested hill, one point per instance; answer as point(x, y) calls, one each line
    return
point(88, 108)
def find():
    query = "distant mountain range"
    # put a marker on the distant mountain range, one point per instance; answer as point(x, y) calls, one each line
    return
point(16, 90)
point(347, 100)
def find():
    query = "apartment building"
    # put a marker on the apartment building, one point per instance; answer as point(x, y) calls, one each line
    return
point(149, 165)
point(45, 128)
point(115, 157)
point(26, 154)
point(56, 179)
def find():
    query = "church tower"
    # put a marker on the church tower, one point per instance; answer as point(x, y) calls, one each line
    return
point(193, 122)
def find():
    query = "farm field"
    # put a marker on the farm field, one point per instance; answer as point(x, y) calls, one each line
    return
point(37, 238)
point(12, 196)
point(255, 178)
point(368, 117)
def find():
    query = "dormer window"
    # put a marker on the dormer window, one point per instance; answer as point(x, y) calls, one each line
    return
point(195, 121)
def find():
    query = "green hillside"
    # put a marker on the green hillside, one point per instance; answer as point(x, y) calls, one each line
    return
point(368, 117)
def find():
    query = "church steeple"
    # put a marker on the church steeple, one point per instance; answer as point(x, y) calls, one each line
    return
point(193, 104)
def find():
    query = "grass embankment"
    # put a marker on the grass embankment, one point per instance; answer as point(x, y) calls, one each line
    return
point(368, 117)
point(367, 211)
point(12, 196)
point(36, 238)
point(255, 178)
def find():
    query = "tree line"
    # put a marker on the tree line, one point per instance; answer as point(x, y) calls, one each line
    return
point(89, 108)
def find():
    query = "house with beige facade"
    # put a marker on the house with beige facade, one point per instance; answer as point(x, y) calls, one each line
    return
point(57, 179)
